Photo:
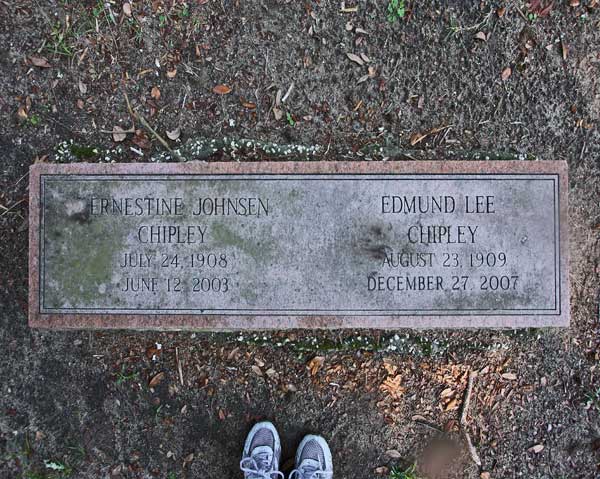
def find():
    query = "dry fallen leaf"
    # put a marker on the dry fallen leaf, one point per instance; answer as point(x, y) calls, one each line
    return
point(140, 139)
point(506, 73)
point(127, 9)
point(501, 11)
point(447, 393)
point(174, 134)
point(452, 405)
point(509, 376)
point(481, 36)
point(419, 137)
point(22, 113)
point(257, 370)
point(392, 386)
point(355, 59)
point(40, 62)
point(155, 92)
point(221, 90)
point(118, 133)
point(536, 449)
point(362, 79)
point(82, 87)
point(565, 50)
point(390, 367)
point(541, 8)
point(172, 73)
point(315, 364)
point(485, 475)
point(156, 379)
point(153, 352)
point(393, 454)
point(345, 9)
point(381, 470)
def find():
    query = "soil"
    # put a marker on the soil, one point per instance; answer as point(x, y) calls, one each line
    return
point(90, 404)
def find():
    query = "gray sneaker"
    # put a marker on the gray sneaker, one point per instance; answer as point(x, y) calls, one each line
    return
point(313, 459)
point(262, 452)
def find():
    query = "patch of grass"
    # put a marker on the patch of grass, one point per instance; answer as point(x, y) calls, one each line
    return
point(290, 119)
point(61, 469)
point(396, 10)
point(83, 152)
point(54, 470)
point(98, 10)
point(593, 399)
point(60, 42)
point(183, 11)
point(408, 473)
point(103, 12)
point(123, 377)
point(78, 451)
point(157, 414)
point(138, 33)
point(455, 28)
point(34, 120)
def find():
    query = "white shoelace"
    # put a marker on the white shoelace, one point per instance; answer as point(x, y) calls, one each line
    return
point(256, 468)
point(309, 473)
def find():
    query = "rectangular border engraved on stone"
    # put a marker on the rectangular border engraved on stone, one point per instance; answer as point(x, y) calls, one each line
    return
point(224, 319)
point(555, 310)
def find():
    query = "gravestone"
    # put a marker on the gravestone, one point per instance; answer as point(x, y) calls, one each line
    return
point(299, 244)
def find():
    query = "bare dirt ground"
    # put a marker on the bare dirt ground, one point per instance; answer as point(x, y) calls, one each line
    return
point(507, 78)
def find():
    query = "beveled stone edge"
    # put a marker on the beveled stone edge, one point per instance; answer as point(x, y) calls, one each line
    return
point(257, 322)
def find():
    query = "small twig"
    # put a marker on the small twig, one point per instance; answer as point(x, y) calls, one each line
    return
point(131, 112)
point(428, 425)
point(179, 366)
point(472, 450)
point(10, 208)
point(521, 13)
point(110, 132)
point(137, 115)
point(22, 178)
point(288, 93)
point(467, 400)
point(463, 419)
point(153, 132)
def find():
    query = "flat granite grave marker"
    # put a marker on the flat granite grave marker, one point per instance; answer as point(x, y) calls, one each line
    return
point(299, 244)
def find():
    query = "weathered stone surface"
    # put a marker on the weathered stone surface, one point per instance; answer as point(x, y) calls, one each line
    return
point(279, 245)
